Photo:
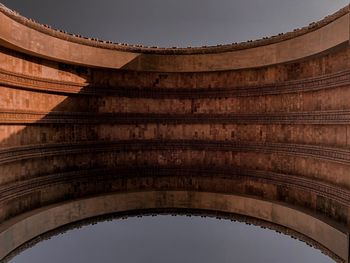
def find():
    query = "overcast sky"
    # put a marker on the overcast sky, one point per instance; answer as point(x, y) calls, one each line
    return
point(170, 23)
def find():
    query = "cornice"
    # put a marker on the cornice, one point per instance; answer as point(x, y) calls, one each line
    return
point(94, 42)
point(13, 154)
point(329, 191)
point(328, 81)
point(331, 117)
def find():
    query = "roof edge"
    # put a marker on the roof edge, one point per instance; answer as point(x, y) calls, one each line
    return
point(94, 42)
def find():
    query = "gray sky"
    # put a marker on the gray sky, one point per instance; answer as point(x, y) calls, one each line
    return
point(167, 239)
point(176, 22)
point(170, 23)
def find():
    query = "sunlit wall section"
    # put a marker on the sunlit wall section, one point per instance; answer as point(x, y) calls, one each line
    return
point(268, 120)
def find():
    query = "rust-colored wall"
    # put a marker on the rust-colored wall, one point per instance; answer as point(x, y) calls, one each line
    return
point(277, 132)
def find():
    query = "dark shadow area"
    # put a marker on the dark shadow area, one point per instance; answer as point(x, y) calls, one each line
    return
point(60, 156)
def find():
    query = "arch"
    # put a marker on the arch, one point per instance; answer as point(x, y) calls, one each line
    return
point(309, 41)
point(260, 129)
point(20, 230)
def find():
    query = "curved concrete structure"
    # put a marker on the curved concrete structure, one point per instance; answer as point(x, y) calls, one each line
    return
point(25, 35)
point(259, 129)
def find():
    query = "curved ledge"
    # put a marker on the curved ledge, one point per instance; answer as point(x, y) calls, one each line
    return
point(24, 82)
point(46, 29)
point(56, 117)
point(16, 31)
point(13, 154)
point(16, 232)
point(14, 191)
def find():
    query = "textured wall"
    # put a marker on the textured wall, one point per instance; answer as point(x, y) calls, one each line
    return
point(278, 133)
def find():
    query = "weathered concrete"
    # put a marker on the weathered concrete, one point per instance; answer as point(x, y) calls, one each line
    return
point(24, 35)
point(30, 225)
point(259, 129)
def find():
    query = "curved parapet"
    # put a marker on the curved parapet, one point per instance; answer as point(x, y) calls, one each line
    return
point(314, 231)
point(260, 129)
point(25, 35)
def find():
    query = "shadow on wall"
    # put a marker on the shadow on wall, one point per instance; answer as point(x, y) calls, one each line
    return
point(102, 138)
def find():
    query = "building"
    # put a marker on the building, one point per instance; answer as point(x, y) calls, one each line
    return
point(259, 129)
